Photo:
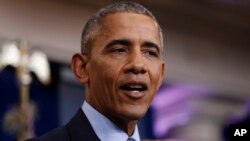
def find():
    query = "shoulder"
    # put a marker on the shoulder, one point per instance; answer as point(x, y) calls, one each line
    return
point(60, 134)
point(78, 128)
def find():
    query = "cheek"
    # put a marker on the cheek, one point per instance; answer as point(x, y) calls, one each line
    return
point(104, 75)
point(155, 76)
point(154, 72)
point(108, 71)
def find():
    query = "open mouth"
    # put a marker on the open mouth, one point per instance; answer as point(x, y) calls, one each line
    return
point(134, 89)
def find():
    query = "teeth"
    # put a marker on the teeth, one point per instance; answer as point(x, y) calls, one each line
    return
point(134, 87)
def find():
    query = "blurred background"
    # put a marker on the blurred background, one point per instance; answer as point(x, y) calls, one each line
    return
point(207, 54)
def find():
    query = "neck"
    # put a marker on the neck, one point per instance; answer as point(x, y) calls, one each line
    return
point(124, 123)
point(127, 126)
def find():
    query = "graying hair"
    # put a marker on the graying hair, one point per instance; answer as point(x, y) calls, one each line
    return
point(93, 25)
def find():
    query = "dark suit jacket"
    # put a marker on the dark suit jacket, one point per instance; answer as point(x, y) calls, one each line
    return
point(78, 129)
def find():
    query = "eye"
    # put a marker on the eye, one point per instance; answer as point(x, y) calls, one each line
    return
point(151, 53)
point(118, 50)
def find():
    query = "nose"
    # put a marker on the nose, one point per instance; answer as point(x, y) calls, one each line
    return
point(136, 64)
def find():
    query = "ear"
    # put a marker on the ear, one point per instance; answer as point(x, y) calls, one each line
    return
point(163, 71)
point(78, 66)
point(162, 74)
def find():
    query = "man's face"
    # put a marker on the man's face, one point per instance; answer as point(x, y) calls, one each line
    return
point(125, 67)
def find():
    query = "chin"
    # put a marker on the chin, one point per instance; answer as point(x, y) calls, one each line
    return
point(135, 113)
point(137, 116)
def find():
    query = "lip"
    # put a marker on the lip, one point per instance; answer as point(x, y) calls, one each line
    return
point(134, 94)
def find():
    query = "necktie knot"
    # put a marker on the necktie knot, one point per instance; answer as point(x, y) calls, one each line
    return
point(131, 139)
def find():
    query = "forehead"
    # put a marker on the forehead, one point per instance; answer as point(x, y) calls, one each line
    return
point(130, 25)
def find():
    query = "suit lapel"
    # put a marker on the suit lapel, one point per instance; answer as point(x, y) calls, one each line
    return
point(80, 129)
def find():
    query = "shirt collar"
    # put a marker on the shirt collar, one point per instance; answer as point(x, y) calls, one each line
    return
point(104, 128)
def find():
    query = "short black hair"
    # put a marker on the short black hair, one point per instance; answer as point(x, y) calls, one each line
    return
point(93, 25)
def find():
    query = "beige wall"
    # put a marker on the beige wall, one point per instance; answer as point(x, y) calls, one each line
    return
point(54, 26)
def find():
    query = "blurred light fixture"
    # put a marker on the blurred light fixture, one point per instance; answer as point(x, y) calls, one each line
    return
point(20, 120)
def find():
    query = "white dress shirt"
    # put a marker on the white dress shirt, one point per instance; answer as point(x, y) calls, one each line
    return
point(104, 128)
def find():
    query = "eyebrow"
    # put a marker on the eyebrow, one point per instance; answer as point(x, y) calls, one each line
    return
point(127, 42)
point(150, 44)
point(124, 42)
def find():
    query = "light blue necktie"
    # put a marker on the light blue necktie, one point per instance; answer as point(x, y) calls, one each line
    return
point(131, 139)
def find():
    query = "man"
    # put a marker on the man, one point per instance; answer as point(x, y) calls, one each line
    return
point(122, 65)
